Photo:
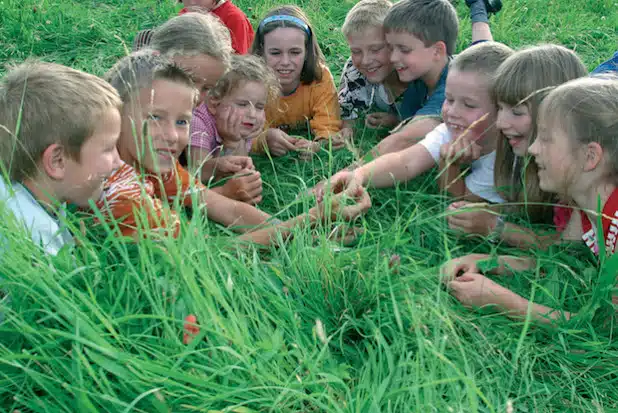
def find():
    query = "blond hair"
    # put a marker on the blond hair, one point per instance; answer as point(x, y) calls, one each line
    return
point(525, 78)
point(46, 103)
point(193, 34)
point(431, 21)
point(247, 68)
point(484, 59)
point(140, 69)
point(364, 15)
point(586, 109)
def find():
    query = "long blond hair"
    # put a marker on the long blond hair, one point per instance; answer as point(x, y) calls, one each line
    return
point(525, 78)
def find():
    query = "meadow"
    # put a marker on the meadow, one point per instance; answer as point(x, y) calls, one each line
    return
point(313, 326)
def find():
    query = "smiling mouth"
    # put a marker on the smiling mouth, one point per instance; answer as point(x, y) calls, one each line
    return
point(284, 72)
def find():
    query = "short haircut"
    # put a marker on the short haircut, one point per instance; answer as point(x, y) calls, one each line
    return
point(46, 103)
point(139, 70)
point(484, 58)
point(247, 68)
point(431, 21)
point(194, 34)
point(314, 59)
point(364, 15)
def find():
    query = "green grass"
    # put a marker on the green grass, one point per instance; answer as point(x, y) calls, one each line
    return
point(300, 328)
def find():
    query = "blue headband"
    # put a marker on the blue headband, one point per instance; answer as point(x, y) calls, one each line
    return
point(286, 18)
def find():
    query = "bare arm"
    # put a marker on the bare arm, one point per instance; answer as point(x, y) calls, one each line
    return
point(265, 236)
point(232, 213)
point(407, 136)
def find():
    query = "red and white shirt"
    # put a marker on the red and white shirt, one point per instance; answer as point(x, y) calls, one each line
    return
point(609, 219)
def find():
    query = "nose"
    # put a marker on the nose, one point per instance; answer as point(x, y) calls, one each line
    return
point(534, 148)
point(285, 59)
point(365, 59)
point(394, 55)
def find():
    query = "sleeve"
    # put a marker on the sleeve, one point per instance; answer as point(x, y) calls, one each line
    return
point(203, 131)
point(326, 119)
point(132, 207)
point(241, 33)
point(179, 186)
point(434, 139)
point(480, 181)
point(353, 94)
point(433, 105)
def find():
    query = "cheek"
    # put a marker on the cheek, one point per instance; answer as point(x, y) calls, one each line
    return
point(357, 59)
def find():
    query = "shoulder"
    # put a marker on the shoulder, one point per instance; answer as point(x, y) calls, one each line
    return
point(124, 184)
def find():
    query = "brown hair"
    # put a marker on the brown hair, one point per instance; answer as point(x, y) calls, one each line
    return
point(431, 21)
point(140, 69)
point(484, 59)
point(193, 34)
point(525, 78)
point(46, 103)
point(587, 110)
point(365, 14)
point(314, 59)
point(247, 68)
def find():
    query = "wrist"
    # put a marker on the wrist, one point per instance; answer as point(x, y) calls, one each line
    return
point(496, 229)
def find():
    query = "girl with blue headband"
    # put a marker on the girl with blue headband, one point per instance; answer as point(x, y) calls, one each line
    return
point(287, 42)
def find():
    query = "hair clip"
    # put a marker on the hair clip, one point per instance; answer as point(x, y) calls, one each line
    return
point(286, 18)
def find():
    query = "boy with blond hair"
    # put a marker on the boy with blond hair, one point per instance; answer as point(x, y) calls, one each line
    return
point(468, 133)
point(58, 133)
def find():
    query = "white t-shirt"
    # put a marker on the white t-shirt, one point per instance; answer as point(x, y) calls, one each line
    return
point(480, 180)
point(43, 228)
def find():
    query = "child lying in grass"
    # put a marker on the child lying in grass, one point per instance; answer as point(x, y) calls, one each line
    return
point(58, 141)
point(575, 151)
point(158, 99)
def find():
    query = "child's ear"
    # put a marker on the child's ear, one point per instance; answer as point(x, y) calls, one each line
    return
point(594, 156)
point(439, 49)
point(53, 161)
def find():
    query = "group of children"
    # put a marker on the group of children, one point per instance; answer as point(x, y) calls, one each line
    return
point(525, 131)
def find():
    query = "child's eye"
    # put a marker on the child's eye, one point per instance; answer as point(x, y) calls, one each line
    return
point(259, 106)
point(404, 50)
point(470, 105)
point(152, 116)
point(242, 104)
point(274, 53)
point(355, 52)
point(376, 48)
point(182, 122)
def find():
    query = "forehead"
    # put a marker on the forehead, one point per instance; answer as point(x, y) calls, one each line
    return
point(366, 37)
point(202, 68)
point(166, 94)
point(283, 37)
point(249, 90)
point(403, 38)
point(469, 83)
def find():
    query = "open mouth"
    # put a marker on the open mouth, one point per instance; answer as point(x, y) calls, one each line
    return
point(284, 72)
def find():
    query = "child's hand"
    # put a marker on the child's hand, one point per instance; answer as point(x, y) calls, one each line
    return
point(475, 290)
point(461, 151)
point(466, 217)
point(347, 134)
point(381, 120)
point(457, 266)
point(342, 181)
point(306, 148)
point(339, 208)
point(246, 186)
point(228, 122)
point(229, 165)
point(279, 143)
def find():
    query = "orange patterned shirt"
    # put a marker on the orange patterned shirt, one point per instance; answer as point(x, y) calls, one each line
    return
point(143, 201)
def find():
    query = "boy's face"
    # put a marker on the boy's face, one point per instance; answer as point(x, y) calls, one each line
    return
point(371, 54)
point(161, 120)
point(248, 100)
point(467, 100)
point(200, 5)
point(84, 179)
point(409, 56)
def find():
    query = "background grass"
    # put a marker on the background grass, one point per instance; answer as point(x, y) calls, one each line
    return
point(302, 328)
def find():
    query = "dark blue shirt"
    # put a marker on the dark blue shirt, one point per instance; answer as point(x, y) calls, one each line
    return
point(418, 102)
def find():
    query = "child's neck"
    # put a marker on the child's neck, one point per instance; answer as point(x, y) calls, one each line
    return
point(432, 77)
point(288, 90)
point(588, 200)
point(42, 192)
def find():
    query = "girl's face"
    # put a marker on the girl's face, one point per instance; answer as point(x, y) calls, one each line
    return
point(555, 156)
point(515, 123)
point(249, 101)
point(163, 112)
point(205, 71)
point(467, 100)
point(284, 51)
point(371, 54)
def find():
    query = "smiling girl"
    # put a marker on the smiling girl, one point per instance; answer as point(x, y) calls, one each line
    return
point(287, 42)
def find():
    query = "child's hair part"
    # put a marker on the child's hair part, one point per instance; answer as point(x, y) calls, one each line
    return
point(364, 15)
point(277, 18)
point(484, 58)
point(430, 21)
point(139, 70)
point(46, 103)
point(586, 110)
point(193, 34)
point(525, 78)
point(247, 68)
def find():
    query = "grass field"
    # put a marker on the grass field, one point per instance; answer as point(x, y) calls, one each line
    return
point(301, 328)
